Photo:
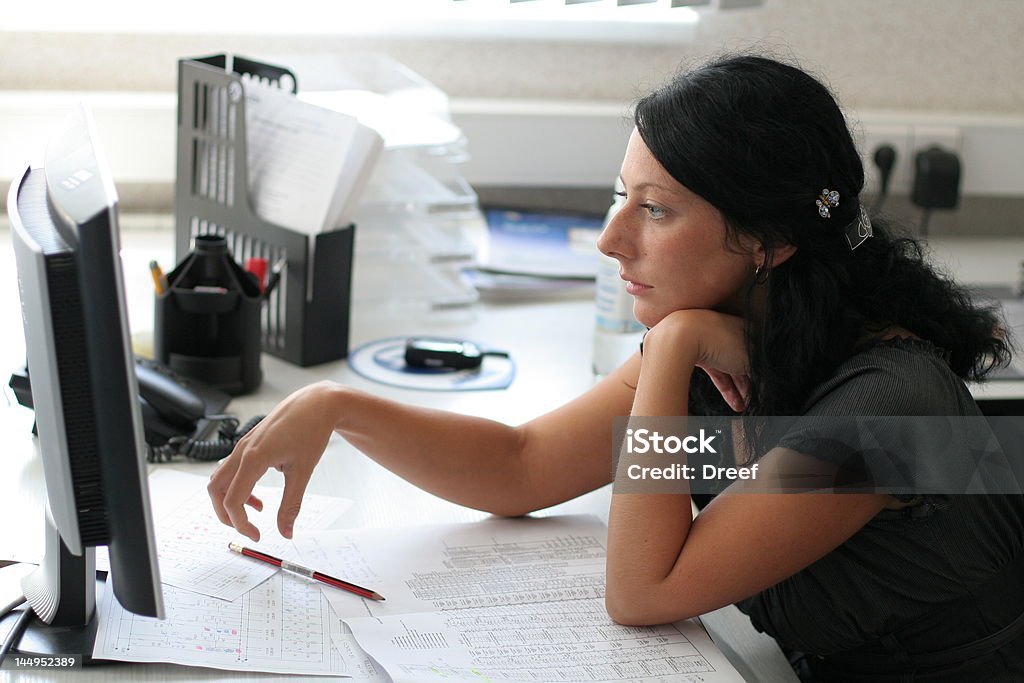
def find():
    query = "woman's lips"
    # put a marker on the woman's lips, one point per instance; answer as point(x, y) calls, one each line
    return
point(636, 288)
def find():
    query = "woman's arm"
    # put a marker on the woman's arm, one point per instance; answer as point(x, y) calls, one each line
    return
point(663, 565)
point(487, 465)
point(472, 461)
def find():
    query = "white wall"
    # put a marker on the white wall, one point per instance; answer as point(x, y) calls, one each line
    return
point(953, 55)
point(956, 63)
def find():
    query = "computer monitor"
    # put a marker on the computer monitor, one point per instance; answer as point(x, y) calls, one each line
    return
point(64, 227)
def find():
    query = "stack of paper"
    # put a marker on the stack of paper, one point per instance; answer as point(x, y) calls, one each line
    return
point(307, 165)
point(501, 600)
point(226, 611)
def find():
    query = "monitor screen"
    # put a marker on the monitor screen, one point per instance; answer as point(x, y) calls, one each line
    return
point(65, 233)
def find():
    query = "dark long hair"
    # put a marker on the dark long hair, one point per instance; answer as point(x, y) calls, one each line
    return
point(759, 140)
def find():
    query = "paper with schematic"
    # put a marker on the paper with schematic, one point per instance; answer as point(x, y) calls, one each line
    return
point(453, 566)
point(225, 611)
point(284, 625)
point(572, 640)
point(192, 543)
point(503, 600)
point(500, 600)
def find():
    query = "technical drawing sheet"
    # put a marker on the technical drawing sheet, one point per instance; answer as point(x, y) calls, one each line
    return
point(573, 640)
point(192, 544)
point(283, 626)
point(455, 566)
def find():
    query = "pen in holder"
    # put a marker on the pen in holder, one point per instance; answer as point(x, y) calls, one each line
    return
point(207, 322)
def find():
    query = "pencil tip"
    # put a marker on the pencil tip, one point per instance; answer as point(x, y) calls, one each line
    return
point(378, 596)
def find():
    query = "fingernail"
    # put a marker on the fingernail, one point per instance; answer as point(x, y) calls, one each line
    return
point(287, 531)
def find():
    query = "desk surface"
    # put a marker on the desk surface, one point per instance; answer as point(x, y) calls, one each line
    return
point(383, 499)
point(550, 343)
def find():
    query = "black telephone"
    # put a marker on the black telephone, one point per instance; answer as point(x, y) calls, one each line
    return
point(180, 415)
point(170, 407)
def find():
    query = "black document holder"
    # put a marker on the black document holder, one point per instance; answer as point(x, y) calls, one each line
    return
point(305, 320)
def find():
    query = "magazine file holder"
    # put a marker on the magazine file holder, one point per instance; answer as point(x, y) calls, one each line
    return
point(305, 319)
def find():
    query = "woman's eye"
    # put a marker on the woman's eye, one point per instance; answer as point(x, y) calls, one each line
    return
point(653, 211)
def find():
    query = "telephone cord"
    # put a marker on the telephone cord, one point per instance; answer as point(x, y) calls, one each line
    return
point(204, 450)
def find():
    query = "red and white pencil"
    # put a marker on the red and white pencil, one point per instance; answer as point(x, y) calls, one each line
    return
point(306, 571)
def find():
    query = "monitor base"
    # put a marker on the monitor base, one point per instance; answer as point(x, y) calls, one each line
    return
point(43, 640)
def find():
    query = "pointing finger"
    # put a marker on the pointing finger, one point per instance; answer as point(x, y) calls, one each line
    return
point(239, 492)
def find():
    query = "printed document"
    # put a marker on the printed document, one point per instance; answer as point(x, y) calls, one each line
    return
point(306, 164)
point(501, 600)
point(453, 566)
point(282, 626)
point(192, 544)
point(574, 640)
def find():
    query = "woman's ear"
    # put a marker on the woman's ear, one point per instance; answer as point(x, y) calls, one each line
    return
point(779, 255)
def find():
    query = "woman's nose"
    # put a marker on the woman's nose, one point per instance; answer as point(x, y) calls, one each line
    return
point(611, 241)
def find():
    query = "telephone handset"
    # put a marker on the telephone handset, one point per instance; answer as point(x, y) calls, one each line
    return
point(180, 416)
point(184, 417)
point(168, 408)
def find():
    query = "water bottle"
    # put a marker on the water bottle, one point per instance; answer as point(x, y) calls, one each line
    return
point(617, 333)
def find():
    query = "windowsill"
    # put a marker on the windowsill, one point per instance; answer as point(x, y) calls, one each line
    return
point(423, 20)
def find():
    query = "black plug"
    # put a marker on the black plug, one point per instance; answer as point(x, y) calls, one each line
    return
point(936, 181)
point(885, 160)
point(936, 178)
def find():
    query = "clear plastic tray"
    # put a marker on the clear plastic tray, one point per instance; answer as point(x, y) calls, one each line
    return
point(410, 237)
point(405, 108)
point(404, 181)
point(407, 285)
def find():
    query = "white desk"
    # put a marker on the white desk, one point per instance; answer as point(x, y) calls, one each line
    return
point(550, 343)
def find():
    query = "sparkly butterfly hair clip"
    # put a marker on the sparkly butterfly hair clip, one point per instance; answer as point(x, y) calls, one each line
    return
point(826, 200)
point(857, 232)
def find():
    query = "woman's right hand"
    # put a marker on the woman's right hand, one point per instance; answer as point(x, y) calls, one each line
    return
point(290, 439)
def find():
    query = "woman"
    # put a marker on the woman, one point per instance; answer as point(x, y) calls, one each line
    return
point(767, 291)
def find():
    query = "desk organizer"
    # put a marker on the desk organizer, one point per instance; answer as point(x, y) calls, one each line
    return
point(207, 323)
point(305, 320)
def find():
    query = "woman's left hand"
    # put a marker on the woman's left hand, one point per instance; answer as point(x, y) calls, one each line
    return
point(715, 343)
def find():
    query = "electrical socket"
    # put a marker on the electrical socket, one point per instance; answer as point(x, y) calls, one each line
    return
point(907, 140)
point(901, 138)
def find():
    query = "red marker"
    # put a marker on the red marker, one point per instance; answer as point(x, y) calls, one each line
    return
point(258, 267)
point(305, 571)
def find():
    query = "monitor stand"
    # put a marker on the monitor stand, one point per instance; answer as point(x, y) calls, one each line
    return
point(62, 593)
point(43, 640)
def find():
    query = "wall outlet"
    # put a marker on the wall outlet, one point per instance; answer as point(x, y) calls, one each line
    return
point(901, 138)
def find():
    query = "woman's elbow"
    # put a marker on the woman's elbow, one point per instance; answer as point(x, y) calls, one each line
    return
point(626, 613)
point(643, 608)
point(509, 510)
point(624, 609)
point(506, 506)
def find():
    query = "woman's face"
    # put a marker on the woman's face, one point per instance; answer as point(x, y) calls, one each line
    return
point(671, 244)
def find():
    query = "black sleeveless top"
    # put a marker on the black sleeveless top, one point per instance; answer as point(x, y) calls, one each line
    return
point(897, 599)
